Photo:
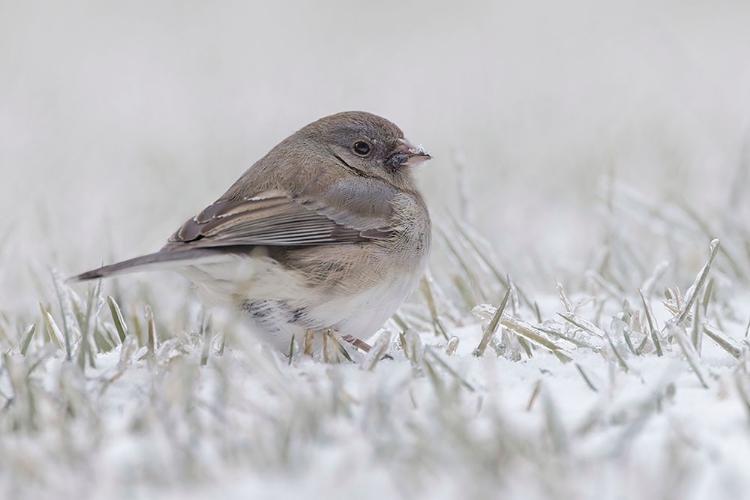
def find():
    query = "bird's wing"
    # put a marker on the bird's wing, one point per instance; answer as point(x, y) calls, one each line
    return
point(347, 212)
point(273, 218)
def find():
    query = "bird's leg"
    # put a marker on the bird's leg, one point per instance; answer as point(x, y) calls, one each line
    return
point(359, 344)
point(307, 349)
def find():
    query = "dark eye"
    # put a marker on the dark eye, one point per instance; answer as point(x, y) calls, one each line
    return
point(362, 148)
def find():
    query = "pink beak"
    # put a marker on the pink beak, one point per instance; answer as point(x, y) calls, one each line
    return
point(410, 155)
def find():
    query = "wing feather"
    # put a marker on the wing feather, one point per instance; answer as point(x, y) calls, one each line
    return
point(272, 218)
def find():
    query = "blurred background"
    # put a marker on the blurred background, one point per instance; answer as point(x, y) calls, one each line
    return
point(119, 120)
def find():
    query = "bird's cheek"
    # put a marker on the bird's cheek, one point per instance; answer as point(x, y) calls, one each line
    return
point(343, 155)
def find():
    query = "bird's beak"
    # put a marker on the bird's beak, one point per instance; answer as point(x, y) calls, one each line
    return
point(407, 155)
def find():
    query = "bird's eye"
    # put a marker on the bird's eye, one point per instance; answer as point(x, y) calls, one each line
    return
point(362, 148)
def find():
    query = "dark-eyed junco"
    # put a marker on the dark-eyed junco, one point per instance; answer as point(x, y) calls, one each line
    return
point(327, 231)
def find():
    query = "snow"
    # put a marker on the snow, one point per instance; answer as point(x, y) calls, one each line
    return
point(601, 146)
point(250, 423)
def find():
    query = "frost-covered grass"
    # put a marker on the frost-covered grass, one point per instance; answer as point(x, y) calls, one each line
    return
point(120, 120)
point(626, 379)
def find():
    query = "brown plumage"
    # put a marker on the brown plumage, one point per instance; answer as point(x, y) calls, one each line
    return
point(327, 230)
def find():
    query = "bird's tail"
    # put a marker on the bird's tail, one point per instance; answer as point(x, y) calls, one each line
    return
point(154, 261)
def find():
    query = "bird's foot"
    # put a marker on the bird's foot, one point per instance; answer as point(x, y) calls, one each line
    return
point(362, 345)
point(358, 343)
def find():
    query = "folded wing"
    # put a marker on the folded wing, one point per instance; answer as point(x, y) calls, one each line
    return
point(271, 218)
point(268, 219)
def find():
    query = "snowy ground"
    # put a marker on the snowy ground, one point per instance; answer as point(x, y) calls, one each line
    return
point(581, 404)
point(601, 145)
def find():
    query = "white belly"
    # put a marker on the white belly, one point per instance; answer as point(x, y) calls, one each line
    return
point(281, 305)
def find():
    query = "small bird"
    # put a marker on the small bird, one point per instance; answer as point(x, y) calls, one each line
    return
point(326, 231)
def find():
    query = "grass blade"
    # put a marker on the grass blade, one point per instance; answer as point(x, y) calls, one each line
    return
point(492, 326)
point(700, 280)
point(651, 324)
point(690, 353)
point(117, 319)
point(28, 334)
point(718, 338)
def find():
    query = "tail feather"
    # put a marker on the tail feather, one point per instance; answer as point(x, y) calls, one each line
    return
point(158, 260)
